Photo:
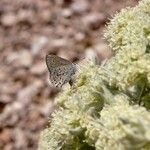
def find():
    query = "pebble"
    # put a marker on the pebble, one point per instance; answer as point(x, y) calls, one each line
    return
point(26, 16)
point(59, 43)
point(9, 20)
point(66, 13)
point(46, 15)
point(30, 91)
point(47, 108)
point(22, 58)
point(93, 20)
point(5, 135)
point(20, 138)
point(38, 44)
point(80, 6)
point(39, 68)
point(79, 36)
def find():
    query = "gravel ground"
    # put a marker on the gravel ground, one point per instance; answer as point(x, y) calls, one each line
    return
point(29, 29)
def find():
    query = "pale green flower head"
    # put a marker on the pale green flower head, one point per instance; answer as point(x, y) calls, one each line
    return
point(129, 32)
point(145, 6)
point(107, 107)
point(129, 36)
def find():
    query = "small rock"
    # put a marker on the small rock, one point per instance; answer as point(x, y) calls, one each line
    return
point(21, 58)
point(5, 136)
point(47, 108)
point(93, 20)
point(26, 94)
point(46, 15)
point(3, 75)
point(25, 58)
point(80, 6)
point(20, 75)
point(79, 36)
point(9, 20)
point(38, 44)
point(59, 43)
point(19, 138)
point(10, 114)
point(26, 16)
point(66, 13)
point(6, 98)
point(9, 88)
point(38, 68)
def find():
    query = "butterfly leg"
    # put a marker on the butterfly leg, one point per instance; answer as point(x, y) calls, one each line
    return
point(71, 82)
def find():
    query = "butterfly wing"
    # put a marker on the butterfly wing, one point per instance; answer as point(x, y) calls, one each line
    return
point(61, 75)
point(61, 70)
point(53, 61)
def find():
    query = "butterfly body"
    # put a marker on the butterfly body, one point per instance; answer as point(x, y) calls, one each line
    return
point(60, 70)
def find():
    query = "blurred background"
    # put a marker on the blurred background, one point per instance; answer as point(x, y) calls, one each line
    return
point(29, 29)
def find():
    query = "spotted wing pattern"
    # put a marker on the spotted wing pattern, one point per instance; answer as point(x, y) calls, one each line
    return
point(61, 70)
point(55, 61)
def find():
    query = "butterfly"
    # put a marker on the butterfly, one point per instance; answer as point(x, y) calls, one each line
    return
point(61, 70)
